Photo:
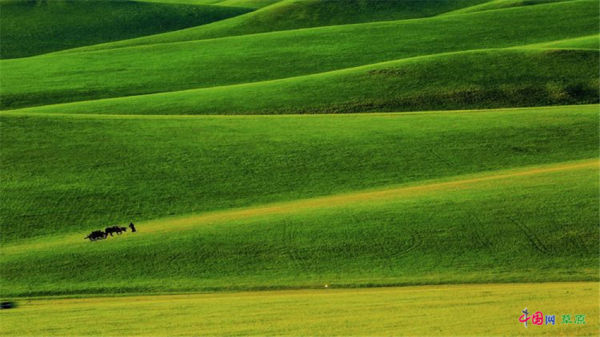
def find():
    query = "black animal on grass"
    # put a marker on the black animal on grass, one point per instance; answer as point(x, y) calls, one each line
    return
point(96, 235)
point(132, 226)
point(115, 229)
point(8, 305)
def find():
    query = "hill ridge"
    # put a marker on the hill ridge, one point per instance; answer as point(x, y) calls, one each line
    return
point(187, 222)
point(117, 44)
point(300, 82)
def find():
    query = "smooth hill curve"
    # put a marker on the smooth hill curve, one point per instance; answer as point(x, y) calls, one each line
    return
point(99, 170)
point(186, 65)
point(463, 80)
point(295, 14)
point(36, 27)
point(415, 235)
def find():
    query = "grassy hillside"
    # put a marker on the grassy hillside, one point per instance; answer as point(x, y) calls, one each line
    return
point(99, 170)
point(247, 3)
point(531, 224)
point(230, 3)
point(294, 14)
point(499, 4)
point(187, 2)
point(36, 27)
point(324, 312)
point(231, 27)
point(584, 42)
point(295, 144)
point(487, 78)
point(169, 67)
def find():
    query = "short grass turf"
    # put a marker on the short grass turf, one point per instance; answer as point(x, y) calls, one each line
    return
point(304, 13)
point(416, 234)
point(77, 76)
point(466, 80)
point(461, 310)
point(295, 14)
point(499, 4)
point(531, 224)
point(99, 169)
point(30, 27)
point(247, 3)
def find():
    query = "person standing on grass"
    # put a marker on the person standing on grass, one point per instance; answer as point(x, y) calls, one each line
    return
point(132, 226)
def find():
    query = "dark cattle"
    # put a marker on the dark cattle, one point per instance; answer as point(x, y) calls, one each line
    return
point(132, 226)
point(114, 229)
point(96, 235)
point(7, 305)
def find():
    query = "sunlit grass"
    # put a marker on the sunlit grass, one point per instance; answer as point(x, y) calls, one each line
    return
point(460, 310)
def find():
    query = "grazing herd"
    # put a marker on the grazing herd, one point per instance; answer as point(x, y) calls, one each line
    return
point(100, 235)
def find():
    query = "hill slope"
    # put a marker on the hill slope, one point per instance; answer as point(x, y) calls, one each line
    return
point(99, 170)
point(187, 65)
point(500, 4)
point(105, 134)
point(487, 78)
point(491, 227)
point(36, 27)
point(295, 14)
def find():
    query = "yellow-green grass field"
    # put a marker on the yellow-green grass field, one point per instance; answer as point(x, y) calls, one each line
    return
point(299, 167)
point(457, 310)
point(508, 226)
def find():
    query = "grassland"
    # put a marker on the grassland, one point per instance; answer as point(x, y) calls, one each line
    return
point(295, 14)
point(499, 4)
point(302, 14)
point(270, 153)
point(217, 62)
point(86, 183)
point(36, 27)
point(513, 77)
point(465, 310)
point(508, 226)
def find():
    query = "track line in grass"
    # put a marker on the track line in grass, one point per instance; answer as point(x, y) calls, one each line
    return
point(358, 197)
point(188, 222)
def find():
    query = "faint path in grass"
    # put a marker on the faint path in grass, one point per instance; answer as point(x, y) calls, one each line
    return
point(357, 197)
point(450, 310)
point(187, 222)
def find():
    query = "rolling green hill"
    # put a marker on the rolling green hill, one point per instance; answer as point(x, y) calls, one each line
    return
point(531, 224)
point(247, 3)
point(218, 62)
point(499, 4)
point(298, 144)
point(230, 3)
point(32, 27)
point(99, 170)
point(294, 14)
point(187, 2)
point(487, 78)
point(584, 42)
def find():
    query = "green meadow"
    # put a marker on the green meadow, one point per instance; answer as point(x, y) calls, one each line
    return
point(506, 226)
point(299, 167)
point(99, 169)
point(87, 75)
point(466, 310)
point(31, 27)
